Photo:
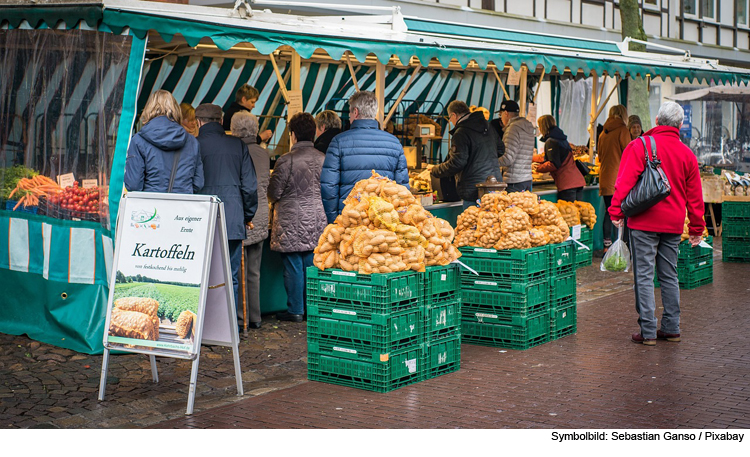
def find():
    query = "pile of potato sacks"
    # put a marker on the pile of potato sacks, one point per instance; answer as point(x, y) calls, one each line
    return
point(516, 220)
point(577, 213)
point(384, 229)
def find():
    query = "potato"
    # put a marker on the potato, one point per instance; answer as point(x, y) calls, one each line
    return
point(527, 201)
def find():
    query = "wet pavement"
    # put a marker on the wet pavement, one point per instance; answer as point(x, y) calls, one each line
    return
point(594, 379)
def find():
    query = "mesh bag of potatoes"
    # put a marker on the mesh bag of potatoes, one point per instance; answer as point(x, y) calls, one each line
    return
point(526, 200)
point(330, 239)
point(368, 242)
point(554, 234)
point(515, 219)
point(588, 214)
point(381, 263)
point(413, 257)
point(414, 214)
point(354, 214)
point(439, 235)
point(328, 259)
point(538, 237)
point(370, 187)
point(495, 201)
point(465, 238)
point(382, 213)
point(514, 240)
point(569, 212)
point(547, 215)
point(468, 219)
point(397, 195)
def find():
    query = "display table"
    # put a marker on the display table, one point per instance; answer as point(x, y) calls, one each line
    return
point(54, 274)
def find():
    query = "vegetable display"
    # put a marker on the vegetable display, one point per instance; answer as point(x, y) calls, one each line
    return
point(384, 229)
point(9, 178)
point(615, 263)
point(28, 190)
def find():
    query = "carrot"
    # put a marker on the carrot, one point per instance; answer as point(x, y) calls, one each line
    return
point(18, 204)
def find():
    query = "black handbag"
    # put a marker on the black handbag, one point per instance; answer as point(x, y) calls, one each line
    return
point(651, 188)
point(583, 168)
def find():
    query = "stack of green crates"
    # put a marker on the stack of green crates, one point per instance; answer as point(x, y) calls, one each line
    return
point(507, 303)
point(365, 331)
point(583, 257)
point(562, 289)
point(695, 266)
point(442, 325)
point(735, 235)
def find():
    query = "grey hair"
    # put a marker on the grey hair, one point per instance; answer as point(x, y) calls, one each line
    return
point(328, 120)
point(244, 125)
point(366, 103)
point(670, 114)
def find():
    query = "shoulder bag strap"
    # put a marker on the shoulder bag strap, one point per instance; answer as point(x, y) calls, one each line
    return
point(645, 148)
point(174, 170)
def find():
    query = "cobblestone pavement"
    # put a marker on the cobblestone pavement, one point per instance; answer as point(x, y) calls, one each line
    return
point(585, 377)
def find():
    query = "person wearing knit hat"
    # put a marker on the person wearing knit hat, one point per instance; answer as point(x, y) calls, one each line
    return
point(635, 127)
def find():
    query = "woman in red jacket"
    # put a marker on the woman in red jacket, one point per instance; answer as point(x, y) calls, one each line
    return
point(655, 233)
point(559, 162)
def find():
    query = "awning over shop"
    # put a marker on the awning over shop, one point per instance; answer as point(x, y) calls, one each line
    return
point(715, 94)
point(427, 41)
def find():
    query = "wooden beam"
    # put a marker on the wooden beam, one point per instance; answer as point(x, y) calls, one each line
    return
point(380, 91)
point(351, 71)
point(538, 86)
point(524, 90)
point(592, 115)
point(282, 84)
point(601, 91)
point(500, 81)
point(296, 69)
point(602, 105)
point(401, 95)
point(274, 104)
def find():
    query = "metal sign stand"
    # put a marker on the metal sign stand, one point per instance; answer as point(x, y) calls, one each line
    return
point(217, 315)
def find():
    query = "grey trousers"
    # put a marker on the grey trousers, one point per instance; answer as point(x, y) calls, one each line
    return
point(651, 249)
point(253, 254)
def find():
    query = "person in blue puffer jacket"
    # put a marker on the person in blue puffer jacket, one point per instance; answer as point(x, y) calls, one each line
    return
point(352, 155)
point(153, 150)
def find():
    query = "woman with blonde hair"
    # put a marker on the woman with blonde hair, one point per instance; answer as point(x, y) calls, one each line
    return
point(188, 118)
point(162, 156)
point(558, 160)
point(612, 142)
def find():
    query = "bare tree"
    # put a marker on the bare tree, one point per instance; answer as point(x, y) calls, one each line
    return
point(632, 26)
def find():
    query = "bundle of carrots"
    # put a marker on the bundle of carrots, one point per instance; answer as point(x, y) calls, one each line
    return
point(33, 188)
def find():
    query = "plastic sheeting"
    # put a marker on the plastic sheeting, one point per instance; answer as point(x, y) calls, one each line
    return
point(61, 95)
point(575, 98)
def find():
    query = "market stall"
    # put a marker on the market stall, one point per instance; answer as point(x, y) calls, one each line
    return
point(70, 108)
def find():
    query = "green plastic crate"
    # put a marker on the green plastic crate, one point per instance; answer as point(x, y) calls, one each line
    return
point(486, 315)
point(442, 318)
point(692, 278)
point(356, 312)
point(735, 211)
point(587, 235)
point(563, 321)
point(377, 291)
point(561, 257)
point(440, 280)
point(401, 369)
point(735, 252)
point(442, 356)
point(389, 332)
point(531, 299)
point(691, 254)
point(509, 263)
point(534, 333)
point(732, 231)
point(583, 257)
point(562, 286)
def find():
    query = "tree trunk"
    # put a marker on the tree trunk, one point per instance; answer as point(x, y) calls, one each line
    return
point(632, 26)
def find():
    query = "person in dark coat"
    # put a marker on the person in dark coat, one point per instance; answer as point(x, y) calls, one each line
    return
point(153, 151)
point(245, 127)
point(244, 100)
point(328, 125)
point(497, 124)
point(298, 216)
point(559, 161)
point(352, 155)
point(474, 152)
point(230, 175)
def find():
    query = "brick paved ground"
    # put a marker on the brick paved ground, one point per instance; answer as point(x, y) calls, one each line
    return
point(594, 379)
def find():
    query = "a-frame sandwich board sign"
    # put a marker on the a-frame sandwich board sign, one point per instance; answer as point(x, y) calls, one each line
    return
point(171, 287)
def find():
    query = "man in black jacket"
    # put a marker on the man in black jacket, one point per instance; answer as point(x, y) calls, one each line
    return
point(229, 174)
point(245, 100)
point(473, 154)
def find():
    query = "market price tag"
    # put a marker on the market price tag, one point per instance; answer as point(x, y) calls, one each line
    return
point(295, 103)
point(703, 244)
point(531, 114)
point(66, 180)
point(576, 232)
point(89, 183)
point(514, 77)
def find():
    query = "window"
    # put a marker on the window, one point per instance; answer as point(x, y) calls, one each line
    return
point(740, 11)
point(690, 7)
point(708, 9)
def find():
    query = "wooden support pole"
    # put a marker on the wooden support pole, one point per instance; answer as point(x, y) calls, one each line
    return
point(592, 115)
point(380, 91)
point(602, 105)
point(401, 95)
point(274, 104)
point(538, 86)
point(351, 71)
point(500, 81)
point(601, 91)
point(296, 69)
point(524, 90)
point(282, 84)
